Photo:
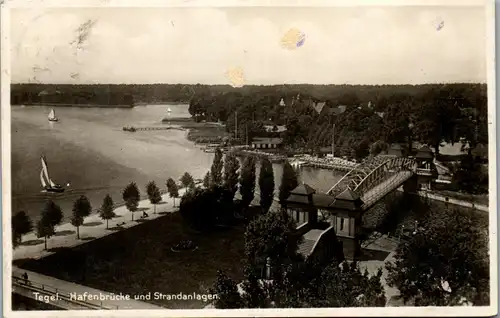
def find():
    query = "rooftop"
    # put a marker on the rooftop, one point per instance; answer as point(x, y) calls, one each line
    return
point(303, 189)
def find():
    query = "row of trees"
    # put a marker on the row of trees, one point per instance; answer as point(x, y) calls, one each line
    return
point(52, 214)
point(214, 202)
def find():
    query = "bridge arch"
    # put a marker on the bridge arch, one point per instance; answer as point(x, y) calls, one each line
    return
point(372, 172)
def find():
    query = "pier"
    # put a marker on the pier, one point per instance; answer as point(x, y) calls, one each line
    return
point(133, 129)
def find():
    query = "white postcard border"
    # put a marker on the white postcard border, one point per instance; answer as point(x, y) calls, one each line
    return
point(336, 312)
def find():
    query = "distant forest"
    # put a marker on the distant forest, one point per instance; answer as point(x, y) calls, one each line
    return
point(115, 94)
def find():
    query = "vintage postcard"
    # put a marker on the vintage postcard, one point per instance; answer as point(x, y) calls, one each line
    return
point(252, 158)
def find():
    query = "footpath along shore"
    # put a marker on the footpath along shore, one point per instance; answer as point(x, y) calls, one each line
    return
point(93, 228)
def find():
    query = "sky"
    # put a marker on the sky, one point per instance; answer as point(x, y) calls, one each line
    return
point(336, 45)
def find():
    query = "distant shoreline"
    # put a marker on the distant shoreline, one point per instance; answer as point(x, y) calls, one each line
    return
point(77, 105)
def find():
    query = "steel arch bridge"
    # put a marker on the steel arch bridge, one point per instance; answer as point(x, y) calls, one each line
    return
point(375, 178)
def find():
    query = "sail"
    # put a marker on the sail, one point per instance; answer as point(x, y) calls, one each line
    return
point(52, 114)
point(44, 184)
point(45, 171)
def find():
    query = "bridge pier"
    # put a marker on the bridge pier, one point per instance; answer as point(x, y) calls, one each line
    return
point(411, 185)
point(346, 214)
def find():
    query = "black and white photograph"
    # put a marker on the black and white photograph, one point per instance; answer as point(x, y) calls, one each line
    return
point(249, 158)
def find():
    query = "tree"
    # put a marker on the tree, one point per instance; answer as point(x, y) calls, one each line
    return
point(216, 169)
point(202, 208)
point(154, 194)
point(377, 147)
point(131, 196)
point(271, 235)
point(469, 176)
point(347, 286)
point(54, 212)
point(107, 209)
point(170, 183)
point(231, 167)
point(445, 262)
point(81, 209)
point(207, 180)
point(173, 191)
point(247, 181)
point(266, 184)
point(187, 180)
point(21, 224)
point(289, 182)
point(254, 292)
point(437, 119)
point(51, 216)
point(227, 293)
point(44, 229)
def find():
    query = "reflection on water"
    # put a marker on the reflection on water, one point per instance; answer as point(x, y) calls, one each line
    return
point(88, 149)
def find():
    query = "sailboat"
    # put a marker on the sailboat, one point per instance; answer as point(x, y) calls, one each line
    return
point(169, 110)
point(47, 183)
point(52, 115)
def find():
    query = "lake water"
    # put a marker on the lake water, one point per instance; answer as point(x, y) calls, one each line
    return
point(89, 151)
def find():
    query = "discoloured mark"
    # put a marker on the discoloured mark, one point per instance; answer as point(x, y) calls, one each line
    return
point(75, 76)
point(440, 25)
point(293, 39)
point(236, 77)
point(83, 33)
point(172, 22)
point(37, 69)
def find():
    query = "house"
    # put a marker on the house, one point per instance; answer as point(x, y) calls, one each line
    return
point(320, 107)
point(380, 114)
point(395, 150)
point(267, 143)
point(480, 151)
point(275, 128)
point(338, 110)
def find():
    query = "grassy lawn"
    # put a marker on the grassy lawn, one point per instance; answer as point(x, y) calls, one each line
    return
point(201, 130)
point(140, 260)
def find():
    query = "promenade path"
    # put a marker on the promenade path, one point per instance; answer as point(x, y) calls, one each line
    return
point(439, 197)
point(67, 295)
point(93, 228)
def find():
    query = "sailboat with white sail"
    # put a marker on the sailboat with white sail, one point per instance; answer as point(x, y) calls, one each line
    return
point(52, 115)
point(47, 183)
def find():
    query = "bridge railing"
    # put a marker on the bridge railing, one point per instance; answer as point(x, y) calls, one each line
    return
point(61, 293)
point(388, 187)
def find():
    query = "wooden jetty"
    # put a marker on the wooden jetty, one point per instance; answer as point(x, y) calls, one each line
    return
point(132, 129)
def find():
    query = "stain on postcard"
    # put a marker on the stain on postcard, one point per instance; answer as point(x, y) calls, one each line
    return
point(236, 76)
point(293, 39)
